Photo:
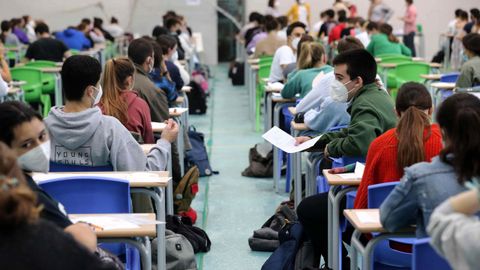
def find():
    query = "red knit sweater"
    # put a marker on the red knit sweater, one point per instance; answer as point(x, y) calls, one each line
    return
point(381, 164)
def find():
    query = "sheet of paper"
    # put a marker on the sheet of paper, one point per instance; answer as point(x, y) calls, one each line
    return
point(107, 223)
point(358, 174)
point(177, 110)
point(285, 142)
point(276, 95)
point(275, 86)
point(369, 217)
point(158, 125)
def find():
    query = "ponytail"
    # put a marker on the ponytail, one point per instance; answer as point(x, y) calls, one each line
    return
point(410, 130)
point(388, 30)
point(412, 100)
point(311, 54)
point(115, 74)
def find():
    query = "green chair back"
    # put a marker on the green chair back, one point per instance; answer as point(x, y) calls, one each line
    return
point(41, 64)
point(47, 78)
point(33, 87)
point(409, 72)
point(265, 60)
point(74, 52)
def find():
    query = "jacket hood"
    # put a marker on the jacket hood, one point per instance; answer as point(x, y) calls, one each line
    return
point(73, 130)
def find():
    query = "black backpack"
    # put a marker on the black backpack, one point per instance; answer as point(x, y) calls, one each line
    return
point(196, 236)
point(197, 99)
point(261, 161)
point(237, 73)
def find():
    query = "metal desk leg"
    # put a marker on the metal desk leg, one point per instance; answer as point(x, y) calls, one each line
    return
point(336, 233)
point(276, 152)
point(331, 198)
point(181, 145)
point(254, 98)
point(169, 198)
point(58, 90)
point(268, 111)
point(297, 173)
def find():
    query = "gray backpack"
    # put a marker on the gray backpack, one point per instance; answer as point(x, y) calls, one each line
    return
point(179, 252)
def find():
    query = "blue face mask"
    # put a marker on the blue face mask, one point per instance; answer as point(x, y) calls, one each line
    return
point(464, 57)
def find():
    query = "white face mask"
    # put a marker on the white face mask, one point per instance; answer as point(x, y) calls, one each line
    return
point(98, 96)
point(295, 42)
point(339, 91)
point(37, 159)
point(150, 66)
point(174, 56)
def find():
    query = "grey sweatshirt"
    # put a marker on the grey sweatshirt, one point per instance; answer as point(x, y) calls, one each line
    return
point(90, 138)
point(455, 236)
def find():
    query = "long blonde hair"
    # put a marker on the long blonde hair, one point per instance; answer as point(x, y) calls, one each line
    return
point(113, 83)
point(310, 55)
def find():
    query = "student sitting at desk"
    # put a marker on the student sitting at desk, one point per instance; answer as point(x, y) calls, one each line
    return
point(122, 102)
point(414, 140)
point(27, 240)
point(286, 54)
point(424, 186)
point(470, 72)
point(24, 132)
point(170, 54)
point(372, 113)
point(7, 37)
point(386, 43)
point(46, 48)
point(311, 62)
point(160, 75)
point(81, 135)
point(74, 39)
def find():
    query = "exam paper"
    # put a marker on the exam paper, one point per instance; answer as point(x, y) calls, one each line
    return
point(106, 223)
point(369, 217)
point(177, 110)
point(358, 174)
point(285, 142)
point(275, 86)
point(158, 125)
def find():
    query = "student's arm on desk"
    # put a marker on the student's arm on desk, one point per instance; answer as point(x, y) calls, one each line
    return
point(400, 207)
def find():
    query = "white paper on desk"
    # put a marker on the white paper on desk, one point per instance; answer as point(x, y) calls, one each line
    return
point(177, 110)
point(285, 142)
point(275, 86)
point(276, 95)
point(369, 217)
point(158, 125)
point(107, 223)
point(357, 174)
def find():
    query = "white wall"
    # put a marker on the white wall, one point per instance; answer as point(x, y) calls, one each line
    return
point(434, 15)
point(144, 15)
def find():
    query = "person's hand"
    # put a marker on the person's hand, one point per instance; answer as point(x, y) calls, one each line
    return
point(302, 139)
point(325, 152)
point(170, 132)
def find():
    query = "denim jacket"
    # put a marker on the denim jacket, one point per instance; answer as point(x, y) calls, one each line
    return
point(422, 188)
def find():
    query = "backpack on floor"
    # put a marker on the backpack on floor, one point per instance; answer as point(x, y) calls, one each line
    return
point(196, 236)
point(186, 190)
point(197, 156)
point(283, 258)
point(197, 99)
point(179, 252)
point(237, 73)
point(260, 161)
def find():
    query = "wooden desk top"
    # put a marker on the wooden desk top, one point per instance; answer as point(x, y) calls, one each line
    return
point(443, 85)
point(158, 127)
point(292, 110)
point(16, 83)
point(90, 52)
point(336, 180)
point(187, 89)
point(255, 67)
point(368, 221)
point(299, 126)
point(432, 77)
point(418, 59)
point(393, 65)
point(179, 100)
point(435, 65)
point(136, 179)
point(253, 61)
point(51, 69)
point(176, 112)
point(147, 228)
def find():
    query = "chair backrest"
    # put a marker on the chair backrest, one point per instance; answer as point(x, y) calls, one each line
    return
point(90, 194)
point(59, 167)
point(411, 71)
point(378, 193)
point(265, 60)
point(31, 76)
point(395, 59)
point(450, 77)
point(41, 64)
point(264, 70)
point(425, 257)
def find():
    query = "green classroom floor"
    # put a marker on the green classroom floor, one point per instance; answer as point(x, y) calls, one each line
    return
point(230, 207)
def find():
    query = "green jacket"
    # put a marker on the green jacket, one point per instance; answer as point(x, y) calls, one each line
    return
point(379, 44)
point(372, 113)
point(301, 81)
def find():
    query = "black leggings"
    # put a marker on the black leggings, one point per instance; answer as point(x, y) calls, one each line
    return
point(313, 214)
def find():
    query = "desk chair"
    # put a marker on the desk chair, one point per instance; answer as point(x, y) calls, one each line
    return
point(448, 78)
point(47, 78)
point(59, 167)
point(94, 195)
point(408, 72)
point(33, 87)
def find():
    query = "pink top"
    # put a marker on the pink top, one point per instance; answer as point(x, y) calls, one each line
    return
point(410, 20)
